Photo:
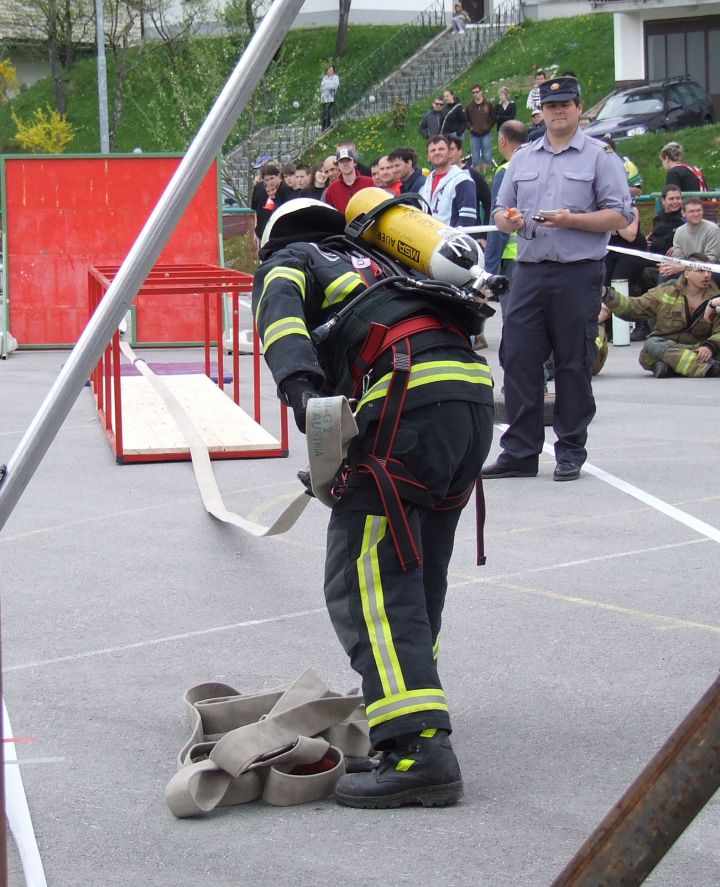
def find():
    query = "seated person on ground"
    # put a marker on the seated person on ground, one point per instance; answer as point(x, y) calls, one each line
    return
point(697, 235)
point(684, 342)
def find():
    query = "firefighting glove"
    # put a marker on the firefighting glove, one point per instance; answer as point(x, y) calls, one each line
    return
point(297, 390)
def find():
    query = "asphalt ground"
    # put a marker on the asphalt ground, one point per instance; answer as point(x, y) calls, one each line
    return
point(568, 659)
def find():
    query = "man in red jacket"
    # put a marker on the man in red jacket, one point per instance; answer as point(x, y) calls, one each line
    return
point(349, 182)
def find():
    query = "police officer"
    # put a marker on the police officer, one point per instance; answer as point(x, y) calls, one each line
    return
point(424, 413)
point(562, 194)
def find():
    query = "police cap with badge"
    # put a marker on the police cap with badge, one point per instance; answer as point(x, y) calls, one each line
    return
point(561, 89)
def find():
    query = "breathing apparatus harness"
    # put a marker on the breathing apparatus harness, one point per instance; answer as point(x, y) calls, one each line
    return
point(396, 343)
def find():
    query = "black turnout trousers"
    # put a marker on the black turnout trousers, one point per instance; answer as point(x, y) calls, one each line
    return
point(551, 307)
point(388, 620)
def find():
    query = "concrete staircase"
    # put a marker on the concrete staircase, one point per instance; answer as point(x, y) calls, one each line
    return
point(429, 70)
point(424, 74)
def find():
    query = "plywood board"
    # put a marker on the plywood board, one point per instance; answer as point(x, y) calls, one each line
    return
point(148, 427)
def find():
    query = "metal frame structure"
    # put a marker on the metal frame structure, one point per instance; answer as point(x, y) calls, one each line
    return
point(212, 285)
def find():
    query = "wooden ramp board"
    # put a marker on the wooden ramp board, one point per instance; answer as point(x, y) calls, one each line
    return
point(148, 427)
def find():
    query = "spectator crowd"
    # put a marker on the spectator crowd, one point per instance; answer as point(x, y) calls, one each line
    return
point(453, 186)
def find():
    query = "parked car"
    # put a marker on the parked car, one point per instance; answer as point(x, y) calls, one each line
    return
point(229, 197)
point(654, 107)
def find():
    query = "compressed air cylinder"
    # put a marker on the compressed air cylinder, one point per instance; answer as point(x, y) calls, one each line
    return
point(417, 240)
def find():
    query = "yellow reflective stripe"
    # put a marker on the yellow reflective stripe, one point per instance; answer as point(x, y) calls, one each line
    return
point(429, 694)
point(598, 341)
point(622, 304)
point(404, 765)
point(431, 372)
point(285, 273)
point(341, 287)
point(286, 326)
point(669, 298)
point(373, 607)
point(407, 710)
point(686, 362)
point(436, 647)
point(429, 733)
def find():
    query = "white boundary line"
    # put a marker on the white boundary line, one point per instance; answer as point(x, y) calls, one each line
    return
point(121, 648)
point(18, 812)
point(623, 486)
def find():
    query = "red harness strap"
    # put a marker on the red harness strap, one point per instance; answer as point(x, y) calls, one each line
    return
point(380, 337)
point(377, 461)
point(390, 475)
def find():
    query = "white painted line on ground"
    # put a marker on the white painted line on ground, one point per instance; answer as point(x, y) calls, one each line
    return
point(25, 761)
point(140, 509)
point(121, 648)
point(467, 580)
point(501, 577)
point(665, 508)
point(18, 813)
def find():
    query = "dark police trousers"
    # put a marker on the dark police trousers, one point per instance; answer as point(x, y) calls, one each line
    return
point(551, 307)
point(388, 620)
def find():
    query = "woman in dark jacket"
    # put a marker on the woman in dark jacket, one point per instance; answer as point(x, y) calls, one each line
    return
point(504, 109)
point(318, 183)
point(455, 121)
point(269, 193)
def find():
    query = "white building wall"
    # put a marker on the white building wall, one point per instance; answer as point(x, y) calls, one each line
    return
point(629, 39)
point(316, 13)
point(629, 47)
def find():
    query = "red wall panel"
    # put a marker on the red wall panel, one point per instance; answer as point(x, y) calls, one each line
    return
point(63, 214)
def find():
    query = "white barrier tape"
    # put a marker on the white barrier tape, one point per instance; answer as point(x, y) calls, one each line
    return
point(478, 229)
point(328, 449)
point(666, 260)
point(18, 812)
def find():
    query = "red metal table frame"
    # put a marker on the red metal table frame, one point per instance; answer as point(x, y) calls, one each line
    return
point(210, 283)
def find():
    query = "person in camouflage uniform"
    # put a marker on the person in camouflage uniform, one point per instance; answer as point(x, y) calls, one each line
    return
point(686, 338)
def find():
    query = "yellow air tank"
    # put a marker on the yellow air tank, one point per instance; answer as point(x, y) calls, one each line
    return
point(417, 240)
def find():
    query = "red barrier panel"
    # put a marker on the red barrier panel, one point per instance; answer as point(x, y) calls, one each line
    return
point(65, 214)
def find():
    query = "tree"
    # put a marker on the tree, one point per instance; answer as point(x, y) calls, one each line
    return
point(343, 16)
point(59, 25)
point(122, 29)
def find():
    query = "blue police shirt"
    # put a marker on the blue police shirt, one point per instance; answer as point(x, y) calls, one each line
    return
point(582, 177)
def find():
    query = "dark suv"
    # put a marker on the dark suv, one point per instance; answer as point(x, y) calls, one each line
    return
point(653, 107)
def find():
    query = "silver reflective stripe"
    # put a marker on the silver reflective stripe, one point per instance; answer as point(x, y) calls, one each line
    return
point(437, 371)
point(415, 699)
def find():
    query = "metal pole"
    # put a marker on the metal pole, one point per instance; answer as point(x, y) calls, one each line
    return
point(102, 77)
point(658, 806)
point(145, 251)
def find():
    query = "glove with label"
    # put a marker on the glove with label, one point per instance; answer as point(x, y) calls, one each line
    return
point(297, 390)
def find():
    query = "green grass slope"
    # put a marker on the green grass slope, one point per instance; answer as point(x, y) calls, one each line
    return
point(583, 44)
point(153, 122)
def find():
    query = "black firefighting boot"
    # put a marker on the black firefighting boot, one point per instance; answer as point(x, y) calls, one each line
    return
point(419, 768)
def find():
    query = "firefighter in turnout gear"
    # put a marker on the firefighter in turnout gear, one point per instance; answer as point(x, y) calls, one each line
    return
point(424, 410)
point(684, 341)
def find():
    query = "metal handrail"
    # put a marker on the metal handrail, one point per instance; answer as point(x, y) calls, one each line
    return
point(289, 133)
point(364, 94)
